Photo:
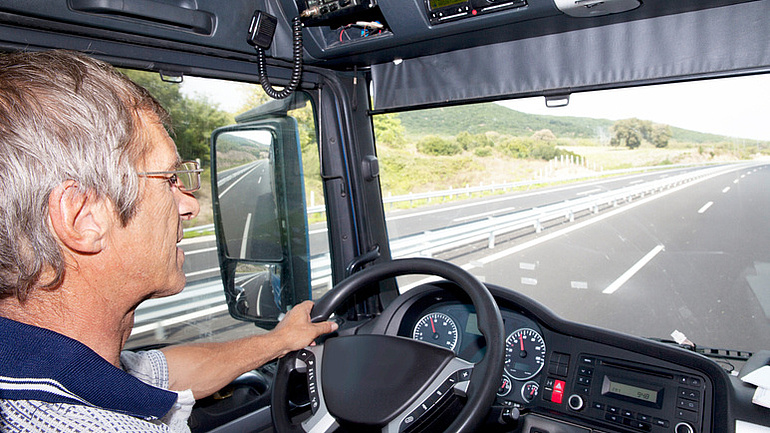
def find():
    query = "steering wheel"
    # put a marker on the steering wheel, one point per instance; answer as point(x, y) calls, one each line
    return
point(386, 383)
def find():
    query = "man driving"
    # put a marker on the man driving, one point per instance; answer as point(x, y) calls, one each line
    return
point(93, 198)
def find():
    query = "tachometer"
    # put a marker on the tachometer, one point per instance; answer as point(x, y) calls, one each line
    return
point(437, 328)
point(524, 353)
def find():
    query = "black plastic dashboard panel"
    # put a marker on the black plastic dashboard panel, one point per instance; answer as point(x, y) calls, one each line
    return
point(591, 378)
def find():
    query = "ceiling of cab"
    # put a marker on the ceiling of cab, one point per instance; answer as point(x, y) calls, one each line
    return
point(358, 33)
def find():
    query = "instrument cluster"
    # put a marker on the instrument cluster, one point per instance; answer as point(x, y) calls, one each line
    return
point(455, 327)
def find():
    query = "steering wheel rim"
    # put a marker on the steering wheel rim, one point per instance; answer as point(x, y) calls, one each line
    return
point(485, 379)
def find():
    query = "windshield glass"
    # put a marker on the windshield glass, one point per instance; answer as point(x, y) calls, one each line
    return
point(199, 313)
point(641, 210)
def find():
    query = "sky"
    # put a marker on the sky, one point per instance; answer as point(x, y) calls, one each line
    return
point(734, 107)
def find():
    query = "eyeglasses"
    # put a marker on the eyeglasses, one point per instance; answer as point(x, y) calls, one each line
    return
point(187, 178)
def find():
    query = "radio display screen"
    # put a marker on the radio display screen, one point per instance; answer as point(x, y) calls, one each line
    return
point(625, 391)
point(438, 4)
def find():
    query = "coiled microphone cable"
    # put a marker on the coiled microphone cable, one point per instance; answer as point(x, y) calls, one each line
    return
point(261, 35)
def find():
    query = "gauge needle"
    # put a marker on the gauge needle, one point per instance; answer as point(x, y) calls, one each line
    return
point(432, 325)
point(521, 340)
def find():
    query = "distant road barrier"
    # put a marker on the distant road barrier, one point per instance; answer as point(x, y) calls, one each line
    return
point(199, 300)
point(468, 190)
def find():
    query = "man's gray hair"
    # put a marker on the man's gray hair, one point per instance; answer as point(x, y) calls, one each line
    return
point(63, 116)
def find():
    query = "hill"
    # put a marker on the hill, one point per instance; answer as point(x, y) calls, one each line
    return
point(453, 120)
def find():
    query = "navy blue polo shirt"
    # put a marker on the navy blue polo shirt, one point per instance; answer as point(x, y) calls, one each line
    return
point(42, 365)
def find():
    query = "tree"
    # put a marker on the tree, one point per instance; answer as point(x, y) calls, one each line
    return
point(193, 119)
point(388, 130)
point(544, 135)
point(630, 132)
point(660, 135)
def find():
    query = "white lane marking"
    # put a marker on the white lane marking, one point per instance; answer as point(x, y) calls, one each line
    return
point(236, 182)
point(528, 281)
point(245, 236)
point(636, 182)
point(725, 190)
point(590, 191)
point(735, 181)
point(632, 271)
point(260, 179)
point(478, 215)
point(582, 285)
point(705, 207)
point(527, 266)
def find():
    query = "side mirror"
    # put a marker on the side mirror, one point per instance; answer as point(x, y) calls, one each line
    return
point(260, 217)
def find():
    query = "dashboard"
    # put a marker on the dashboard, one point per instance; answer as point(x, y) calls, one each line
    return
point(563, 376)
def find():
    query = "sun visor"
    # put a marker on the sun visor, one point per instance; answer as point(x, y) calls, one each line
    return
point(663, 49)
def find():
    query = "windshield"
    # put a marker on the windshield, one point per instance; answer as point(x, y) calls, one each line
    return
point(640, 210)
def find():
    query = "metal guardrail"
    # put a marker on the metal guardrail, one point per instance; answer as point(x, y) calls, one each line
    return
point(199, 300)
point(469, 190)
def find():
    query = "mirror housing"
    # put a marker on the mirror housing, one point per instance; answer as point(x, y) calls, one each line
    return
point(260, 216)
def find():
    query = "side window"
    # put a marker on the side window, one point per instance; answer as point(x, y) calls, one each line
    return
point(197, 107)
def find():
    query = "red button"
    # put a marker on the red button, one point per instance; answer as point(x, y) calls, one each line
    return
point(558, 391)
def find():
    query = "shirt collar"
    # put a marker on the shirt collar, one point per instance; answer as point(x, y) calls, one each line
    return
point(39, 364)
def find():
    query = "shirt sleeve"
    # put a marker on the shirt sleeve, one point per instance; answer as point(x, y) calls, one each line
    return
point(149, 366)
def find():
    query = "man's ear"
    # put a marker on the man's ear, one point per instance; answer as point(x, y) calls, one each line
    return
point(80, 220)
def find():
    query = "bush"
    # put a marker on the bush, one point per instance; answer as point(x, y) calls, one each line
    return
point(483, 152)
point(437, 146)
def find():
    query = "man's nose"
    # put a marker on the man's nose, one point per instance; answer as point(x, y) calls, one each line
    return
point(188, 206)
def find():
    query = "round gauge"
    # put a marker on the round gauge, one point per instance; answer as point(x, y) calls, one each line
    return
point(529, 391)
point(505, 386)
point(524, 353)
point(438, 329)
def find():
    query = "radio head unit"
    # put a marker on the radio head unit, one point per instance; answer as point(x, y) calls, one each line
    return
point(638, 397)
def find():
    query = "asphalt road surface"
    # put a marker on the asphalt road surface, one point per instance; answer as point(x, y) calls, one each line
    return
point(695, 258)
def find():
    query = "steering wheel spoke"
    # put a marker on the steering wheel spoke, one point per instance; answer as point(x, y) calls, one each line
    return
point(453, 379)
point(308, 361)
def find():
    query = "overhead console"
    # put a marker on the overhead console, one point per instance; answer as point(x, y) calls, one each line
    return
point(379, 31)
point(441, 11)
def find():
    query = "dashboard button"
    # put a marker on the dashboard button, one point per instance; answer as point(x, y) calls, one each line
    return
point(687, 404)
point(686, 415)
point(575, 402)
point(683, 427)
point(691, 394)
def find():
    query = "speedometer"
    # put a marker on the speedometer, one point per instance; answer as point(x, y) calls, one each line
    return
point(524, 353)
point(437, 328)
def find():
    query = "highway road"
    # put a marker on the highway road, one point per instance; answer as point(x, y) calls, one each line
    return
point(694, 258)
